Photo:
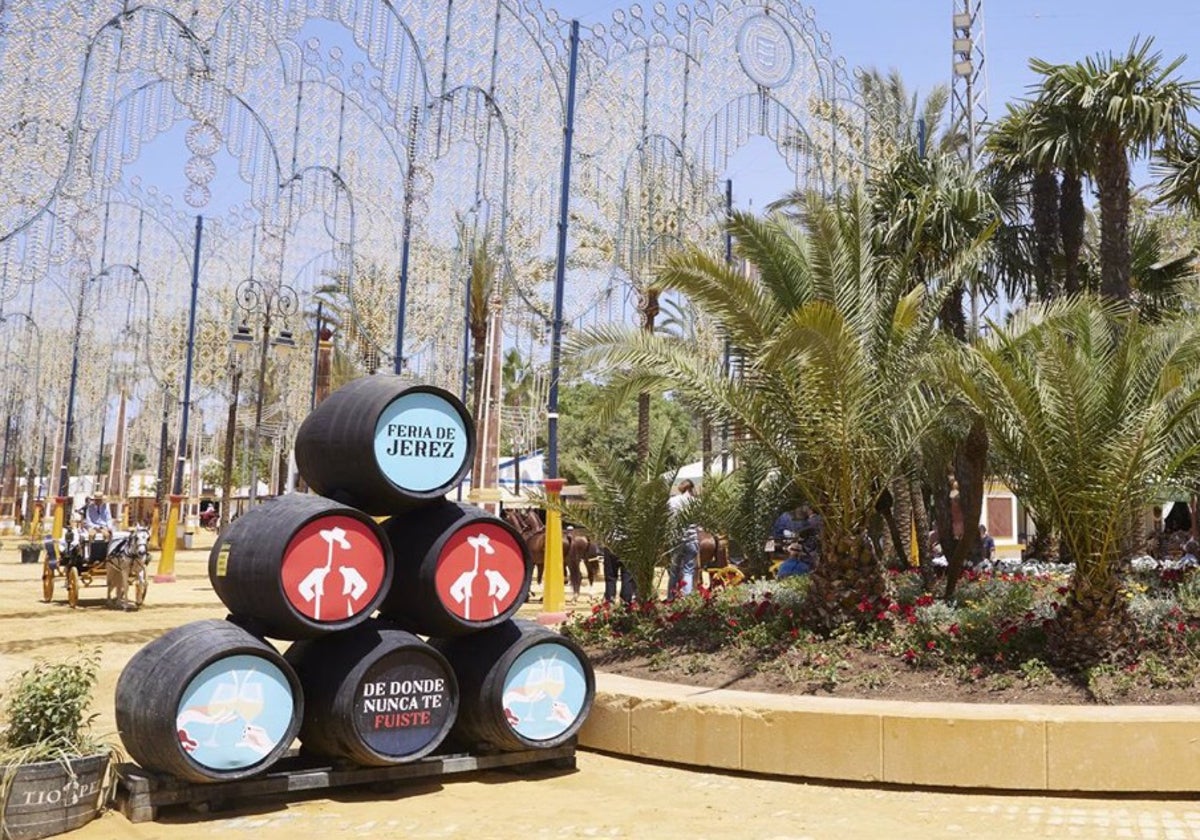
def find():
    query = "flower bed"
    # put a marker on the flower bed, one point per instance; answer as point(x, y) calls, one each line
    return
point(987, 645)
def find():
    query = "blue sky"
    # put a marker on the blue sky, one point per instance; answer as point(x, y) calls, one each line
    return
point(913, 36)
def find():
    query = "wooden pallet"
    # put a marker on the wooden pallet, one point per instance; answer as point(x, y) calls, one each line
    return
point(140, 793)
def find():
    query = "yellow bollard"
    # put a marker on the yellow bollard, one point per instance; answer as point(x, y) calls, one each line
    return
point(166, 560)
point(155, 536)
point(554, 596)
point(56, 528)
point(35, 522)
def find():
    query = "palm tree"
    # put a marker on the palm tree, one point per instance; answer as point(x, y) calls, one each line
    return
point(1179, 167)
point(627, 510)
point(833, 334)
point(1091, 413)
point(1008, 144)
point(1126, 104)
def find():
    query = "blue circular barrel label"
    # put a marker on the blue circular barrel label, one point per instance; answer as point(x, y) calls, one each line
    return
point(544, 692)
point(420, 442)
point(234, 713)
point(404, 704)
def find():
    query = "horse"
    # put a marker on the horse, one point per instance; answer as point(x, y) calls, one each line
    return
point(714, 559)
point(575, 548)
point(126, 561)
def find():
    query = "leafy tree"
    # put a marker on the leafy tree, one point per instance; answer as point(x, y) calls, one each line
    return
point(1092, 412)
point(591, 426)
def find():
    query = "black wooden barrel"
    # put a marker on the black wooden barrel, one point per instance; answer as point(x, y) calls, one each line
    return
point(51, 797)
point(208, 702)
point(300, 566)
point(374, 694)
point(522, 686)
point(382, 447)
point(458, 570)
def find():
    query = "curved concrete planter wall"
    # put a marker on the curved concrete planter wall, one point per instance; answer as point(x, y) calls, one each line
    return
point(1002, 747)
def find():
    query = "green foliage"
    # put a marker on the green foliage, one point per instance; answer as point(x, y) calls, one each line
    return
point(590, 431)
point(46, 706)
point(743, 506)
point(1090, 414)
point(626, 510)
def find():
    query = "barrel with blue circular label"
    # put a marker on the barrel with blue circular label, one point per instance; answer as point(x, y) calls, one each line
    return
point(384, 447)
point(522, 686)
point(208, 702)
point(375, 694)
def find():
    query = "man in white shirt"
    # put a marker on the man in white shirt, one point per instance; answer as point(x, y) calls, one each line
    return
point(682, 572)
point(97, 519)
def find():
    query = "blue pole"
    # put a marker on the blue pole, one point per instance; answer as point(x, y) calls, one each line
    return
point(177, 483)
point(560, 268)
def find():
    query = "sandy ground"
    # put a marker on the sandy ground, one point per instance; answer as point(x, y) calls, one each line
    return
point(605, 797)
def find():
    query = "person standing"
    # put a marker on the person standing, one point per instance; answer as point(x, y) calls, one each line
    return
point(682, 571)
point(986, 552)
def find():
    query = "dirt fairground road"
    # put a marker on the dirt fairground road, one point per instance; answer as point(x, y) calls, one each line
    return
point(604, 797)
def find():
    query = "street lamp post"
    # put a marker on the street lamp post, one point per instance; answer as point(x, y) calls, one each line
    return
point(269, 302)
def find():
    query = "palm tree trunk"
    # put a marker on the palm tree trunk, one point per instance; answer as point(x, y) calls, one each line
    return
point(901, 520)
point(1044, 194)
point(1112, 179)
point(1071, 219)
point(706, 442)
point(649, 307)
point(921, 522)
point(478, 340)
point(1094, 625)
point(951, 314)
point(970, 467)
point(848, 574)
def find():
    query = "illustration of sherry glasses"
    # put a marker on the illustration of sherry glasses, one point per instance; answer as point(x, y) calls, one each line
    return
point(554, 683)
point(535, 686)
point(250, 698)
point(221, 706)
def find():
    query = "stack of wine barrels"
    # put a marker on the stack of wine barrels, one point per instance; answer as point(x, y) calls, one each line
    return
point(403, 633)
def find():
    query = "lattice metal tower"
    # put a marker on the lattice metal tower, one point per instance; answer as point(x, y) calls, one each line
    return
point(968, 74)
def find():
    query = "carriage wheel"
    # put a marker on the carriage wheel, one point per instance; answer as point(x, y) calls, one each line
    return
point(47, 583)
point(140, 583)
point(73, 587)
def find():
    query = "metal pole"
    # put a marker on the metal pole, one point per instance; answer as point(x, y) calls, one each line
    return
point(560, 267)
point(728, 348)
point(312, 402)
point(410, 159)
point(258, 403)
point(177, 482)
point(230, 434)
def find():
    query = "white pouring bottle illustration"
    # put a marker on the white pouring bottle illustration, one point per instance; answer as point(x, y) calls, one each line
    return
point(498, 587)
point(312, 587)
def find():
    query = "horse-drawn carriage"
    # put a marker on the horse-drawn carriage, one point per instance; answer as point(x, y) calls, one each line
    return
point(79, 561)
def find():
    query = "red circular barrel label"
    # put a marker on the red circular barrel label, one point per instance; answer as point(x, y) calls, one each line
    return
point(405, 704)
point(333, 568)
point(480, 572)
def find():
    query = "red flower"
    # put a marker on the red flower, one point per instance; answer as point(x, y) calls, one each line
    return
point(909, 655)
point(931, 645)
point(954, 629)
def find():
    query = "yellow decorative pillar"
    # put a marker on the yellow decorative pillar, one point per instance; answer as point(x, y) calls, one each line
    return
point(554, 596)
point(166, 560)
point(60, 507)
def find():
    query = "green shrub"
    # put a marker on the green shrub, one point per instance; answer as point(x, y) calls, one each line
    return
point(47, 703)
